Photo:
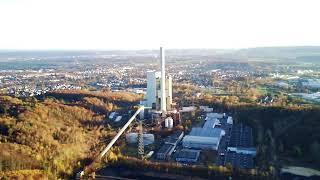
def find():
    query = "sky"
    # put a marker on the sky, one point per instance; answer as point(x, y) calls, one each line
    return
point(148, 24)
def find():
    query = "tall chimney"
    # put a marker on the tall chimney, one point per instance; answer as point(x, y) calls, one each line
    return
point(163, 83)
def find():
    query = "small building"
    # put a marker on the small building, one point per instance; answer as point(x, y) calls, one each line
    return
point(188, 155)
point(165, 151)
point(230, 120)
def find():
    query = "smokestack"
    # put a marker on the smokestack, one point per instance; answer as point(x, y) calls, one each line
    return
point(163, 82)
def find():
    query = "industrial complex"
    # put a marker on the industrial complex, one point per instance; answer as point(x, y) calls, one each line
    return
point(216, 133)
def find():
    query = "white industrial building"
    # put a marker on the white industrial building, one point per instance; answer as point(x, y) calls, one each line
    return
point(203, 138)
point(152, 78)
point(200, 142)
point(154, 91)
point(208, 136)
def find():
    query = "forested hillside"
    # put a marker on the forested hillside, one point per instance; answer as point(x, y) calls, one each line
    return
point(53, 138)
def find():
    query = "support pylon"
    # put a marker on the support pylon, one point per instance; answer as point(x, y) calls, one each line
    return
point(140, 141)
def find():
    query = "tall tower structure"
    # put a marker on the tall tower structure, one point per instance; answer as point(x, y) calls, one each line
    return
point(163, 83)
point(159, 88)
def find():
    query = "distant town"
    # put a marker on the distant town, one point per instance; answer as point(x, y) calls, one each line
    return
point(126, 71)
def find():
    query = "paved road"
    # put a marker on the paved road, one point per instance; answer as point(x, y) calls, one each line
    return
point(222, 149)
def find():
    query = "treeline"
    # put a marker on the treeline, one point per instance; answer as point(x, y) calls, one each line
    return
point(208, 172)
point(24, 174)
point(98, 105)
point(284, 132)
point(100, 102)
point(118, 98)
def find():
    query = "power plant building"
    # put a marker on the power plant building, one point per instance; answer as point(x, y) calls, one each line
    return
point(159, 88)
point(154, 90)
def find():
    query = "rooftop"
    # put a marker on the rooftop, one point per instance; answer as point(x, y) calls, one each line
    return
point(165, 148)
point(202, 140)
point(241, 136)
point(206, 132)
point(239, 160)
point(188, 154)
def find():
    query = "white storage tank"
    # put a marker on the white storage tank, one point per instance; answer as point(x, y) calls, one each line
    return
point(149, 154)
point(148, 139)
point(168, 122)
point(132, 138)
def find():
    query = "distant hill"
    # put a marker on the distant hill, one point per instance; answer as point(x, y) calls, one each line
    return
point(301, 53)
point(51, 57)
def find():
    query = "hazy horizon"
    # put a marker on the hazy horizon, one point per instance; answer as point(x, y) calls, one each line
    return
point(156, 49)
point(145, 24)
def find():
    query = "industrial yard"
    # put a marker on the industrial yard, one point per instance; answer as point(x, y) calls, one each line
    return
point(160, 134)
point(229, 143)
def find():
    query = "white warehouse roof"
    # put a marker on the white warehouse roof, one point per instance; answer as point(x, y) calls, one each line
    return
point(200, 142)
point(207, 132)
point(211, 122)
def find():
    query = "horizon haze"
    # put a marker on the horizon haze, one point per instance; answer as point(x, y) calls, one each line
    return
point(129, 25)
